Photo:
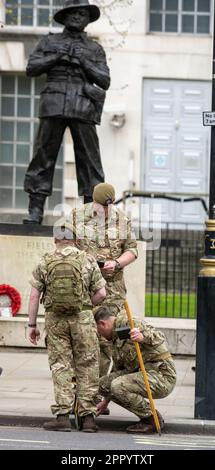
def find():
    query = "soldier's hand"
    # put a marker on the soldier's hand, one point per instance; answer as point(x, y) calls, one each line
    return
point(34, 335)
point(136, 335)
point(109, 267)
point(102, 406)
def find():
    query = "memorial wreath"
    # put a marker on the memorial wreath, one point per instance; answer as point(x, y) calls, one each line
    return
point(14, 295)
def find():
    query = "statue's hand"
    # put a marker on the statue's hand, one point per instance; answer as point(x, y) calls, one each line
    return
point(63, 51)
point(78, 53)
point(75, 56)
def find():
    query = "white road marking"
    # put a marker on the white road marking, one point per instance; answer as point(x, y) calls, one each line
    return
point(176, 438)
point(169, 444)
point(24, 440)
point(204, 442)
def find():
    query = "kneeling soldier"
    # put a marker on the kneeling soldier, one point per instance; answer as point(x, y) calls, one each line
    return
point(125, 384)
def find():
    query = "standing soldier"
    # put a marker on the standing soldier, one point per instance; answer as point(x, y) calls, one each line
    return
point(105, 232)
point(125, 385)
point(70, 281)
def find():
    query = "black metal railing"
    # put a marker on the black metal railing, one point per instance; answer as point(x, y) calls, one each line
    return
point(172, 273)
point(175, 197)
point(172, 269)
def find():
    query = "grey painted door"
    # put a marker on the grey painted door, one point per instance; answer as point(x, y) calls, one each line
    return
point(175, 143)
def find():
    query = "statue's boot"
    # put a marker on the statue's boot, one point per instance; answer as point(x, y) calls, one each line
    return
point(35, 209)
point(88, 199)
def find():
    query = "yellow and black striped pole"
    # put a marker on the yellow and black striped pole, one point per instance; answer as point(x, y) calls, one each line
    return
point(143, 370)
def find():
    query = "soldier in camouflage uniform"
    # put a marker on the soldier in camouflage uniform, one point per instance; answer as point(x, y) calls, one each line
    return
point(70, 336)
point(105, 232)
point(125, 384)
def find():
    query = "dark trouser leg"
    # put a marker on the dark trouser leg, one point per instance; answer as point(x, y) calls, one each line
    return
point(39, 175)
point(87, 157)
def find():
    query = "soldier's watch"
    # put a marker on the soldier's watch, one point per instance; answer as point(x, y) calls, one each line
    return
point(118, 266)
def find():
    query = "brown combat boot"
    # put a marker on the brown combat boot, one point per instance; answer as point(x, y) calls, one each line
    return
point(146, 425)
point(88, 424)
point(61, 423)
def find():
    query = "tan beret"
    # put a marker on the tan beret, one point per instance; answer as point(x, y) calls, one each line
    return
point(104, 194)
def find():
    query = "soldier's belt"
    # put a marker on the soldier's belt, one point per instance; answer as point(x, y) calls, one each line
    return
point(161, 357)
point(65, 314)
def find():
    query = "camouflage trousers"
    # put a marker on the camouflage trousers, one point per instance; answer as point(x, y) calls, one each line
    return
point(129, 391)
point(106, 346)
point(72, 342)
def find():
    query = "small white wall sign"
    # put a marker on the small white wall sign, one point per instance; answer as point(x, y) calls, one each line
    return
point(209, 118)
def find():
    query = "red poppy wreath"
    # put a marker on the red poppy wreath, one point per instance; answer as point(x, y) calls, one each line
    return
point(14, 295)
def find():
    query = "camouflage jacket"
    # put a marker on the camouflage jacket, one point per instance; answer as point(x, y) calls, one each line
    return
point(106, 239)
point(124, 352)
point(92, 278)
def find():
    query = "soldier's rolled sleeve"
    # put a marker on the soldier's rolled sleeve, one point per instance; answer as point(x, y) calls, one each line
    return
point(130, 243)
point(151, 335)
point(38, 280)
point(97, 281)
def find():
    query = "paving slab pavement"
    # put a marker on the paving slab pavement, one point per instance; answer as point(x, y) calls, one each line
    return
point(26, 394)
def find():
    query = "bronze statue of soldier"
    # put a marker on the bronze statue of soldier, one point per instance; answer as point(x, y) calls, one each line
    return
point(73, 96)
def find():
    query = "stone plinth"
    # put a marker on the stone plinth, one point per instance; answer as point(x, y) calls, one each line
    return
point(19, 254)
point(14, 332)
point(21, 247)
